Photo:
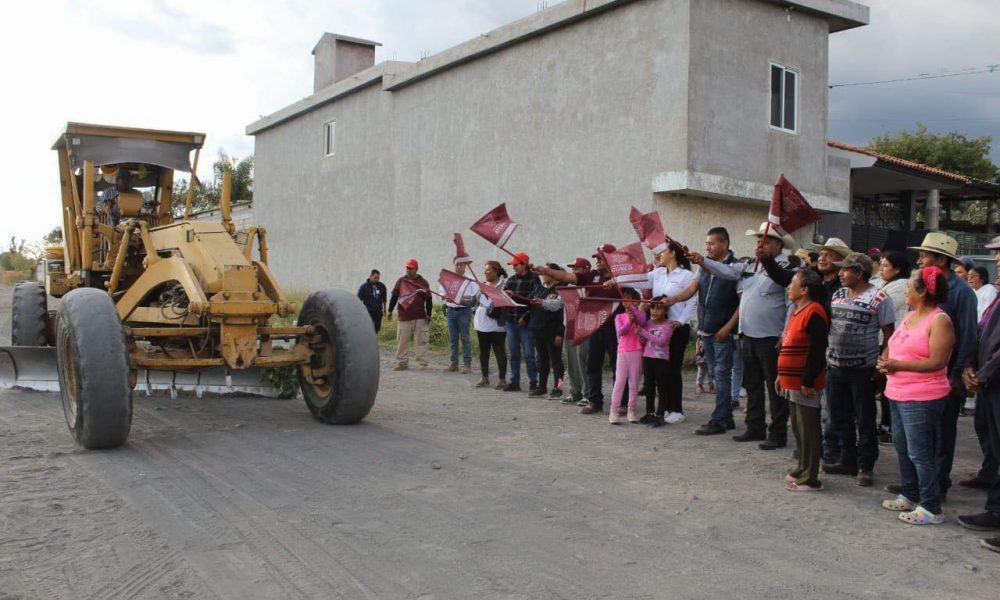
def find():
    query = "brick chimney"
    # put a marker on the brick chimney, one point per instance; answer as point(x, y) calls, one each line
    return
point(338, 57)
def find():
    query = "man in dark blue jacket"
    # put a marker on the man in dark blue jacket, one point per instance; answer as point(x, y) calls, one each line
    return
point(374, 296)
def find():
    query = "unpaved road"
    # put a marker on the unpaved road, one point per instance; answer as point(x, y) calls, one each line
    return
point(446, 492)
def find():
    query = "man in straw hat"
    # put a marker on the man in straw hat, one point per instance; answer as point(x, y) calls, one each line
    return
point(763, 306)
point(940, 250)
point(833, 251)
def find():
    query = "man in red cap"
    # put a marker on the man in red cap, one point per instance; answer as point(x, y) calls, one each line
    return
point(414, 317)
point(521, 286)
point(605, 340)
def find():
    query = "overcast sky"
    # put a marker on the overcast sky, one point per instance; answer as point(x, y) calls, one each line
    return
point(214, 67)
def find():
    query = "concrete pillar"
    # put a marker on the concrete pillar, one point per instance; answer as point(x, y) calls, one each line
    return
point(932, 210)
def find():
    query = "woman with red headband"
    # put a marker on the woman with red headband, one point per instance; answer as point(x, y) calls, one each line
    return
point(916, 368)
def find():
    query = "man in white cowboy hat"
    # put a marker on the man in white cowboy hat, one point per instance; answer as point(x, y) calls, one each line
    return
point(833, 251)
point(940, 250)
point(763, 307)
point(459, 316)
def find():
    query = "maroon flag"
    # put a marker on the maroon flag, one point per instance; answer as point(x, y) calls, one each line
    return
point(789, 209)
point(571, 304)
point(495, 226)
point(410, 291)
point(456, 287)
point(497, 297)
point(591, 314)
point(649, 229)
point(460, 252)
point(627, 264)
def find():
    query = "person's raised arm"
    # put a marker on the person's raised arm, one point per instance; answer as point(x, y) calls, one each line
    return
point(776, 272)
point(733, 272)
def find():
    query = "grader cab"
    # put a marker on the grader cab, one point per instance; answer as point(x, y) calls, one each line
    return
point(150, 299)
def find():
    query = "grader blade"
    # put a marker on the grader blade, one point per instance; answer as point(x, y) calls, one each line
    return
point(217, 381)
point(29, 367)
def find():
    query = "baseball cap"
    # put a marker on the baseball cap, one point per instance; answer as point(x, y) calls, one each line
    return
point(519, 258)
point(412, 264)
point(856, 260)
point(605, 249)
point(580, 263)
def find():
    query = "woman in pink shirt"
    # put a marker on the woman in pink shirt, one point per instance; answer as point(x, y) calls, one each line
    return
point(916, 367)
point(629, 362)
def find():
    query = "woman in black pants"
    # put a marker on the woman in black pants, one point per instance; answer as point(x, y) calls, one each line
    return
point(672, 275)
point(490, 328)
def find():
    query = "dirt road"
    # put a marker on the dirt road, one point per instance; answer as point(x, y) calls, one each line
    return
point(447, 492)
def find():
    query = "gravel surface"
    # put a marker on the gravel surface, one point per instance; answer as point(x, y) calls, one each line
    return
point(447, 492)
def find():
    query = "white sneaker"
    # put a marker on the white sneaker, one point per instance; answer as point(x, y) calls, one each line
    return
point(614, 418)
point(970, 404)
point(674, 417)
point(632, 418)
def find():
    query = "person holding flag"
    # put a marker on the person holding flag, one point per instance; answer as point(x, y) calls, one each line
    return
point(520, 286)
point(763, 306)
point(412, 293)
point(604, 341)
point(458, 316)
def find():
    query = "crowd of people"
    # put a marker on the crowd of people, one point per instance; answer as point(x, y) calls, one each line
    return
point(848, 349)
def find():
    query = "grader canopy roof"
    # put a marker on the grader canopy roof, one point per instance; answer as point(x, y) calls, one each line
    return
point(111, 145)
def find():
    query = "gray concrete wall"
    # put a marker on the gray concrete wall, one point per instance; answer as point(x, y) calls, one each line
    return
point(732, 45)
point(567, 128)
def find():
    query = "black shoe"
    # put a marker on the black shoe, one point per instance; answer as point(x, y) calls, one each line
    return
point(537, 391)
point(865, 478)
point(990, 543)
point(773, 444)
point(750, 436)
point(555, 394)
point(893, 488)
point(512, 387)
point(658, 421)
point(647, 418)
point(730, 425)
point(984, 521)
point(830, 459)
point(710, 428)
point(975, 483)
point(532, 386)
point(840, 469)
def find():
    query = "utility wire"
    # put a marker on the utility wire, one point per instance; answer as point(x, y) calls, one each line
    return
point(988, 69)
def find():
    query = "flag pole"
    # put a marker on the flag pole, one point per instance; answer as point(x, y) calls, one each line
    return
point(760, 244)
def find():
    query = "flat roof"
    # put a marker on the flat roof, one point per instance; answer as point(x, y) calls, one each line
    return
point(840, 14)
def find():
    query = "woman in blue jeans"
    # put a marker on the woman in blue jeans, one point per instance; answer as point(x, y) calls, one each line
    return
point(916, 367)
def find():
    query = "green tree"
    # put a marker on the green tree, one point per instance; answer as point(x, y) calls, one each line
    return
point(54, 237)
point(954, 152)
point(207, 194)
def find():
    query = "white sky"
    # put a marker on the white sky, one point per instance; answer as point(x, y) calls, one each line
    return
point(216, 66)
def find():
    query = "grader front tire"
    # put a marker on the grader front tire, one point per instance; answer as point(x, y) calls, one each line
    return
point(340, 383)
point(93, 369)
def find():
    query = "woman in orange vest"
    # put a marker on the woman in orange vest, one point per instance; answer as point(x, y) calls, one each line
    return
point(802, 375)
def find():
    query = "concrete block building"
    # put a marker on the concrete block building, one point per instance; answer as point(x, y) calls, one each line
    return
point(571, 115)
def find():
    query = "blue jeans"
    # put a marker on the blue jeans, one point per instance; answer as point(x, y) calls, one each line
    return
point(916, 434)
point(520, 339)
point(851, 398)
point(720, 357)
point(458, 328)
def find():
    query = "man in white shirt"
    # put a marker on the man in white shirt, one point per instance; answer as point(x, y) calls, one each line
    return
point(459, 316)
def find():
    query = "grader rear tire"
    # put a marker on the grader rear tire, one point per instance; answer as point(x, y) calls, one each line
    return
point(93, 369)
point(347, 354)
point(29, 315)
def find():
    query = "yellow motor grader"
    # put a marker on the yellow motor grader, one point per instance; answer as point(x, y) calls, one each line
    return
point(165, 302)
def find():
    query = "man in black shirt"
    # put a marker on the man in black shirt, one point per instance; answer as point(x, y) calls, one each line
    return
point(374, 296)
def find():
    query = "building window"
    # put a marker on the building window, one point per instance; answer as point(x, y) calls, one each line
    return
point(329, 146)
point(784, 97)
